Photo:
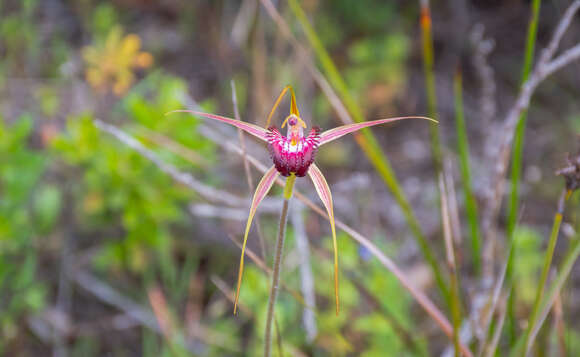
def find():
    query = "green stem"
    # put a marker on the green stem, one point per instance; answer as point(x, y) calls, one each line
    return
point(544, 274)
point(455, 311)
point(428, 60)
point(288, 188)
point(463, 149)
point(518, 145)
point(556, 287)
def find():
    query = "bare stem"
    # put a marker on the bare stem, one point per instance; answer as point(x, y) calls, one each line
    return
point(277, 265)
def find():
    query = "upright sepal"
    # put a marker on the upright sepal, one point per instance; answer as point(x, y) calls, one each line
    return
point(255, 130)
point(326, 197)
point(340, 131)
point(293, 106)
point(261, 191)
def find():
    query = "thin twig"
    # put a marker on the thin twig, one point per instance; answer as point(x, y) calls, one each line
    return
point(482, 48)
point(492, 306)
point(490, 350)
point(207, 192)
point(559, 325)
point(250, 253)
point(174, 147)
point(229, 294)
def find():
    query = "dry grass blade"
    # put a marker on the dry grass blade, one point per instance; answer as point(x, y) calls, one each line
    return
point(492, 347)
point(450, 252)
point(229, 294)
point(161, 311)
point(494, 299)
point(559, 325)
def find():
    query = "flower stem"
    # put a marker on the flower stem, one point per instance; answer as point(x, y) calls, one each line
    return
point(277, 264)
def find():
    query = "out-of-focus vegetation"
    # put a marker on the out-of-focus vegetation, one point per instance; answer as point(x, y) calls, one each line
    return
point(102, 252)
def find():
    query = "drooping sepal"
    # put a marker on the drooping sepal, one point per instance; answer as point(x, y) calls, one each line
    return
point(261, 191)
point(326, 197)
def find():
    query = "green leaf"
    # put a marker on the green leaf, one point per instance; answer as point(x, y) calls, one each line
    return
point(47, 206)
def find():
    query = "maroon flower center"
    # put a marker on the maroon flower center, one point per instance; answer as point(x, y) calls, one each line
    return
point(293, 157)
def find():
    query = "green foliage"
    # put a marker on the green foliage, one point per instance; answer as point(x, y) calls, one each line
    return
point(341, 20)
point(465, 166)
point(104, 18)
point(157, 95)
point(377, 69)
point(527, 243)
point(27, 212)
point(119, 187)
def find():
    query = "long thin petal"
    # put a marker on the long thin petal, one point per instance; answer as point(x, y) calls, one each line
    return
point(326, 197)
point(336, 133)
point(261, 191)
point(255, 130)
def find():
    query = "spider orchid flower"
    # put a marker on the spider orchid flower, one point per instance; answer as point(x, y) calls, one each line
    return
point(293, 156)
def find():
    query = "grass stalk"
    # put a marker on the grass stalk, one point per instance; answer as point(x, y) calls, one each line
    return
point(429, 73)
point(544, 274)
point(463, 150)
point(367, 141)
point(517, 155)
point(277, 265)
point(450, 250)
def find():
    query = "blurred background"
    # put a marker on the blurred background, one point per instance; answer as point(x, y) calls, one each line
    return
point(103, 253)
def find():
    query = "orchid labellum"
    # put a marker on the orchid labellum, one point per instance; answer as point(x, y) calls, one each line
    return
point(293, 156)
